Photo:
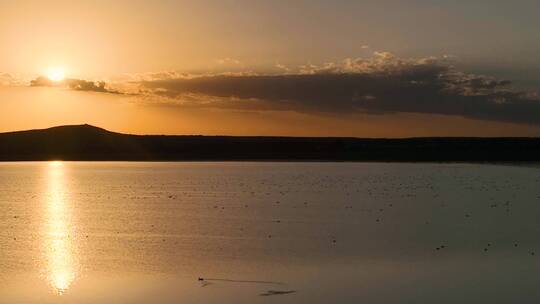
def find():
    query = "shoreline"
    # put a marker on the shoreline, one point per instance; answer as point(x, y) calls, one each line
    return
point(530, 164)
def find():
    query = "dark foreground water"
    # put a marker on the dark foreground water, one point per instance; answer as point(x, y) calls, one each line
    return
point(268, 233)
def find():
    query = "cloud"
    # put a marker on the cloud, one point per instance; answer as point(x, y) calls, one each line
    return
point(282, 67)
point(7, 79)
point(43, 82)
point(229, 61)
point(381, 84)
point(74, 84)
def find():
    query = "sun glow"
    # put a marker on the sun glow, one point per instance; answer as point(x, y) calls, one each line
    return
point(61, 259)
point(56, 74)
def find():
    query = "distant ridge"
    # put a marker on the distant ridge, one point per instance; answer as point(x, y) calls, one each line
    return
point(86, 142)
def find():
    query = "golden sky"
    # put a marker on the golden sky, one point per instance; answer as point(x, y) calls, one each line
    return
point(316, 68)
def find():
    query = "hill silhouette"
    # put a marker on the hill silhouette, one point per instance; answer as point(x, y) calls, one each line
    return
point(85, 142)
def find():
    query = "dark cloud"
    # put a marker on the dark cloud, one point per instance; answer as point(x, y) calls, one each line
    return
point(74, 84)
point(383, 84)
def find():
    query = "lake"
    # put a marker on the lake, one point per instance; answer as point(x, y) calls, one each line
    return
point(249, 232)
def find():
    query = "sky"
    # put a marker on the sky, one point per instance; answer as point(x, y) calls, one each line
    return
point(249, 67)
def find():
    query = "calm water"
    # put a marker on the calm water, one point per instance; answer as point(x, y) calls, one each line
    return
point(331, 232)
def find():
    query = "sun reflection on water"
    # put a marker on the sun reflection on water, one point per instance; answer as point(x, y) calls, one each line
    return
point(61, 270)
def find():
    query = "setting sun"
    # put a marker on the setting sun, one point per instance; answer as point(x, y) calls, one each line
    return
point(56, 74)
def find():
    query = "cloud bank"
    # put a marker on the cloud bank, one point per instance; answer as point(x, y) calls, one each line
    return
point(74, 84)
point(381, 84)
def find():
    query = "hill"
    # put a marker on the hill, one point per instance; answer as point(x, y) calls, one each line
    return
point(85, 142)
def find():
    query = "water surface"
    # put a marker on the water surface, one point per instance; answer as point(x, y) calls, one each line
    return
point(113, 232)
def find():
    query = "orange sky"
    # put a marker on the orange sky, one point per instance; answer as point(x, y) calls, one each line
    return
point(124, 43)
point(45, 107)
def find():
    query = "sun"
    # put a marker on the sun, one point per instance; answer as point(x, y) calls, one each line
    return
point(56, 74)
